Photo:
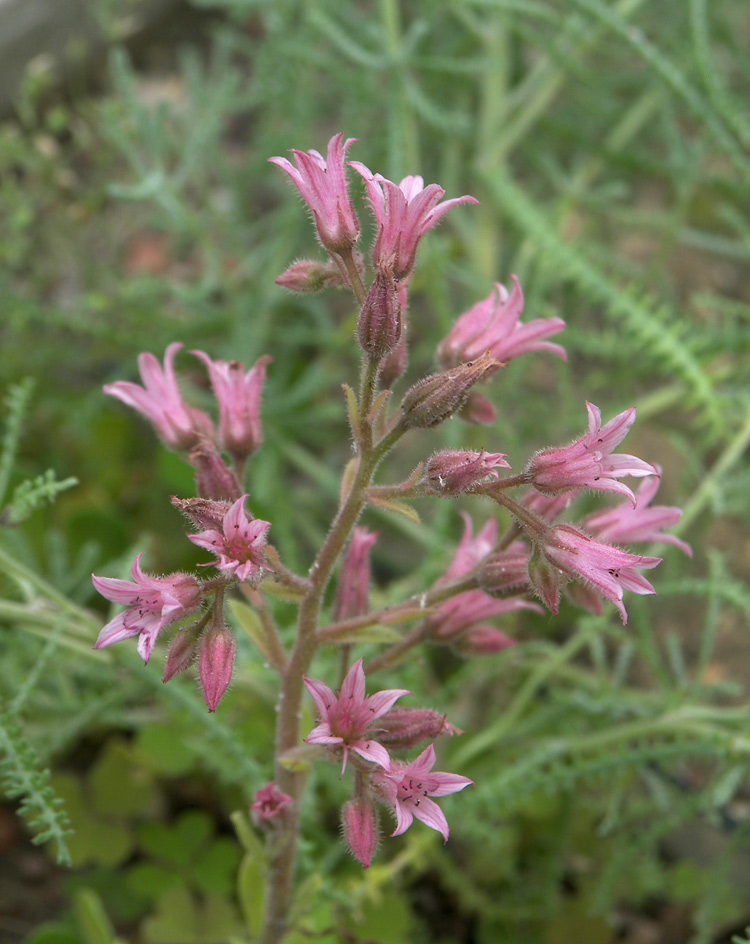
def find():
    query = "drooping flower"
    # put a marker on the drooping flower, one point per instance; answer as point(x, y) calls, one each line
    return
point(239, 545)
point(626, 524)
point(588, 462)
point(404, 213)
point(353, 590)
point(238, 394)
point(608, 570)
point(153, 603)
point(322, 184)
point(346, 719)
point(493, 325)
point(270, 806)
point(179, 426)
point(407, 789)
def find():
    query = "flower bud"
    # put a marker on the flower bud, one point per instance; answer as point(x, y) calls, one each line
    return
point(308, 276)
point(216, 664)
point(353, 590)
point(380, 322)
point(203, 512)
point(213, 478)
point(454, 471)
point(182, 651)
point(400, 729)
point(478, 410)
point(483, 641)
point(437, 397)
point(359, 820)
point(505, 570)
point(545, 580)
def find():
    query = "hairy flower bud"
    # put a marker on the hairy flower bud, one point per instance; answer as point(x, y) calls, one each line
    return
point(203, 512)
point(213, 477)
point(454, 471)
point(506, 570)
point(478, 410)
point(437, 397)
point(182, 651)
point(359, 820)
point(308, 276)
point(403, 728)
point(380, 322)
point(216, 664)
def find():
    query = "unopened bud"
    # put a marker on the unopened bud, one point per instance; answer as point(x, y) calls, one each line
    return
point(205, 513)
point(380, 323)
point(505, 570)
point(436, 398)
point(401, 729)
point(308, 276)
point(182, 651)
point(394, 364)
point(478, 410)
point(359, 820)
point(545, 580)
point(216, 664)
point(454, 471)
point(484, 641)
point(213, 478)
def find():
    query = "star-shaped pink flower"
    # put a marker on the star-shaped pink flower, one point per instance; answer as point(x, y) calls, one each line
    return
point(346, 719)
point(239, 545)
point(408, 787)
point(589, 462)
point(153, 603)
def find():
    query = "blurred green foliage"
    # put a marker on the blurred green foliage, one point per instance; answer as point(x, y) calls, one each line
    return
point(608, 144)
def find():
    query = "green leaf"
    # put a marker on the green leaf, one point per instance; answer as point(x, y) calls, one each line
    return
point(162, 749)
point(250, 623)
point(117, 784)
point(397, 506)
point(215, 871)
point(251, 892)
point(179, 843)
point(376, 633)
point(92, 919)
point(246, 835)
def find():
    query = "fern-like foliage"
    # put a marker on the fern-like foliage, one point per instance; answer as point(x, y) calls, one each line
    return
point(16, 406)
point(25, 779)
point(33, 493)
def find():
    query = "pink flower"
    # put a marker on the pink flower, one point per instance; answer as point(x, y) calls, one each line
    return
point(404, 213)
point(238, 394)
point(353, 590)
point(346, 720)
point(493, 325)
point(471, 550)
point(239, 545)
point(608, 570)
point(269, 806)
point(216, 664)
point(153, 603)
point(179, 426)
point(454, 471)
point(322, 184)
point(626, 524)
point(407, 789)
point(588, 462)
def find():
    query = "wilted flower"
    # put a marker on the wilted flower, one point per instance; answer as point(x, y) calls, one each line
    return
point(270, 806)
point(179, 426)
point(407, 789)
point(153, 603)
point(345, 721)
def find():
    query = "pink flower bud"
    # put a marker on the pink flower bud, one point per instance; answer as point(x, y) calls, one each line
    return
point(204, 513)
point(506, 570)
point(270, 807)
point(353, 590)
point(380, 321)
point(545, 580)
point(437, 397)
point(403, 728)
point(308, 276)
point(213, 477)
point(216, 664)
point(478, 410)
point(454, 471)
point(484, 641)
point(360, 823)
point(182, 652)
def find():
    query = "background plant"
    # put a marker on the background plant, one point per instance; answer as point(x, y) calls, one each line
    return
point(608, 145)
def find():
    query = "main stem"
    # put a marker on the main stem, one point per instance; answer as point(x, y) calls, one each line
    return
point(283, 844)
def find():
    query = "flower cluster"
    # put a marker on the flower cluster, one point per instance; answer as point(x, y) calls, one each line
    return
point(493, 575)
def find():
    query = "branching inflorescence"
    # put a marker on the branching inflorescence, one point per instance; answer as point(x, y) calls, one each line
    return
point(491, 574)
